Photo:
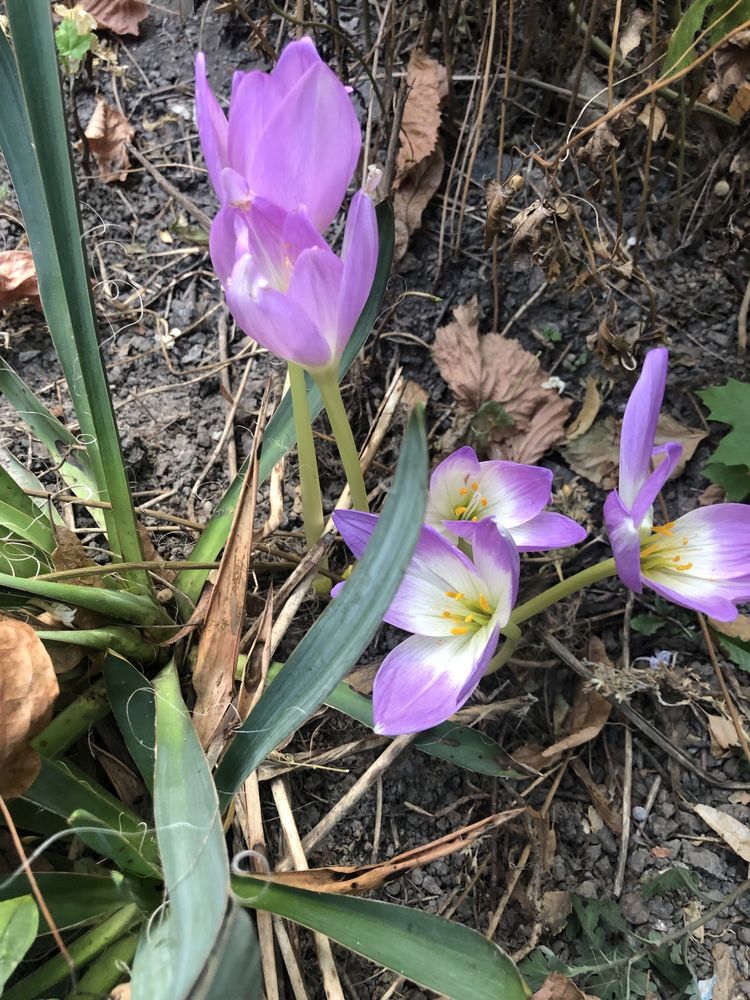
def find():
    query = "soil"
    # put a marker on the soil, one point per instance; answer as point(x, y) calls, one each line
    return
point(159, 302)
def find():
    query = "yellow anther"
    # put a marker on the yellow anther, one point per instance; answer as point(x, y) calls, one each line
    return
point(459, 630)
point(475, 485)
point(455, 594)
point(484, 604)
point(447, 614)
point(676, 558)
point(458, 511)
point(475, 519)
point(664, 529)
point(684, 568)
point(484, 501)
point(685, 541)
point(469, 618)
point(463, 492)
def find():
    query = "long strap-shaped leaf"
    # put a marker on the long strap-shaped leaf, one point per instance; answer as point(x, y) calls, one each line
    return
point(439, 954)
point(35, 143)
point(279, 436)
point(173, 953)
point(339, 637)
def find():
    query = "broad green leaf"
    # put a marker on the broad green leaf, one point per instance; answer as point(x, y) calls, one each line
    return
point(647, 624)
point(450, 741)
point(717, 13)
point(19, 920)
point(20, 514)
point(233, 969)
point(339, 637)
point(279, 436)
point(122, 847)
point(738, 650)
point(729, 465)
point(19, 558)
point(733, 479)
point(671, 880)
point(106, 971)
point(173, 955)
point(131, 697)
point(440, 955)
point(75, 900)
point(35, 143)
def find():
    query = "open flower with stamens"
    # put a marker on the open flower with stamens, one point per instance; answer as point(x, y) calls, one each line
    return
point(292, 135)
point(454, 607)
point(465, 492)
point(702, 559)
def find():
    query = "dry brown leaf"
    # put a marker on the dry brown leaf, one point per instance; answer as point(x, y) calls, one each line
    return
point(121, 16)
point(606, 137)
point(107, 134)
point(257, 661)
point(495, 368)
point(427, 83)
point(607, 814)
point(348, 879)
point(740, 798)
point(654, 119)
point(731, 831)
point(28, 688)
point(737, 629)
point(555, 909)
point(661, 852)
point(631, 34)
point(740, 103)
point(732, 62)
point(613, 346)
point(592, 402)
point(725, 972)
point(18, 278)
point(412, 196)
point(711, 495)
point(558, 987)
point(69, 553)
point(587, 717)
point(595, 455)
point(723, 735)
point(536, 240)
point(498, 197)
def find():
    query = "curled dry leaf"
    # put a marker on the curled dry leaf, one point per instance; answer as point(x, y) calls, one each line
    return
point(420, 160)
point(592, 402)
point(558, 987)
point(536, 240)
point(630, 38)
point(606, 137)
point(723, 735)
point(18, 278)
point(495, 368)
point(28, 688)
point(121, 16)
point(613, 347)
point(586, 719)
point(655, 120)
point(737, 629)
point(731, 830)
point(498, 198)
point(555, 909)
point(107, 135)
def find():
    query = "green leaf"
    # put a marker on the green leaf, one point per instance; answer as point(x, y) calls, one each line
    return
point(733, 479)
point(338, 638)
point(74, 720)
point(35, 143)
point(436, 953)
point(450, 741)
point(20, 514)
point(647, 624)
point(730, 404)
point(279, 436)
point(233, 970)
point(172, 956)
point(19, 920)
point(122, 847)
point(106, 971)
point(70, 44)
point(131, 696)
point(738, 650)
point(19, 558)
point(75, 899)
point(720, 16)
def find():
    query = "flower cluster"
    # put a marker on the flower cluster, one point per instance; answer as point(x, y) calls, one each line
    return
point(280, 165)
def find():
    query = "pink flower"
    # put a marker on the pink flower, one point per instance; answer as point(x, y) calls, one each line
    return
point(702, 559)
point(292, 136)
point(454, 607)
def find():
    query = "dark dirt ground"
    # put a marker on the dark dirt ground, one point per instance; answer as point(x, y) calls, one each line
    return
point(158, 298)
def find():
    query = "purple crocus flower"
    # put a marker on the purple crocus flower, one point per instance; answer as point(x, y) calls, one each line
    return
point(292, 135)
point(454, 607)
point(701, 560)
point(465, 491)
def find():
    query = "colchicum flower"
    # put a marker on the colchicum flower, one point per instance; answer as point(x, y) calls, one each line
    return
point(454, 607)
point(292, 135)
point(464, 492)
point(701, 560)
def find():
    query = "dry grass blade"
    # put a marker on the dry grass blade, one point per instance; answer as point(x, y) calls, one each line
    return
point(731, 830)
point(219, 646)
point(348, 879)
point(28, 688)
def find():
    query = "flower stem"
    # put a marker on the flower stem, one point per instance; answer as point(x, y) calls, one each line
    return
point(342, 431)
point(512, 638)
point(564, 589)
point(312, 503)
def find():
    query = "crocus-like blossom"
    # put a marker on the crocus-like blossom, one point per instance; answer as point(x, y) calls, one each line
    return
point(454, 607)
point(292, 135)
point(465, 491)
point(702, 559)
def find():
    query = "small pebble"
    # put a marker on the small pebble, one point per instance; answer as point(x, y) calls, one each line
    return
point(639, 814)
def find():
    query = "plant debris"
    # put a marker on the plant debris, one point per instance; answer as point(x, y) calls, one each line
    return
point(107, 136)
point(18, 278)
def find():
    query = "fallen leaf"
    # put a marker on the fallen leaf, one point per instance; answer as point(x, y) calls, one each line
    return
point(631, 34)
point(723, 735)
point(725, 972)
point(690, 913)
point(536, 240)
point(614, 347)
point(107, 135)
point(669, 429)
point(412, 196)
point(555, 909)
point(349, 879)
point(737, 629)
point(498, 198)
point(740, 798)
point(496, 368)
point(592, 402)
point(69, 553)
point(732, 62)
point(711, 495)
point(28, 688)
point(661, 852)
point(740, 103)
point(653, 118)
point(588, 715)
point(18, 278)
point(731, 831)
point(605, 138)
point(608, 815)
point(123, 17)
point(558, 987)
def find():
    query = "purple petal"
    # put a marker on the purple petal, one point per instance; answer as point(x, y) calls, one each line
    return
point(212, 125)
point(689, 592)
point(515, 493)
point(718, 541)
point(625, 541)
point(314, 287)
point(423, 681)
point(653, 485)
point(548, 530)
point(309, 148)
point(453, 473)
point(360, 257)
point(639, 425)
point(222, 243)
point(498, 565)
point(297, 59)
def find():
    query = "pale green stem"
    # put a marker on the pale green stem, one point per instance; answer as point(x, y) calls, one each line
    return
point(512, 638)
point(564, 589)
point(342, 431)
point(312, 502)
